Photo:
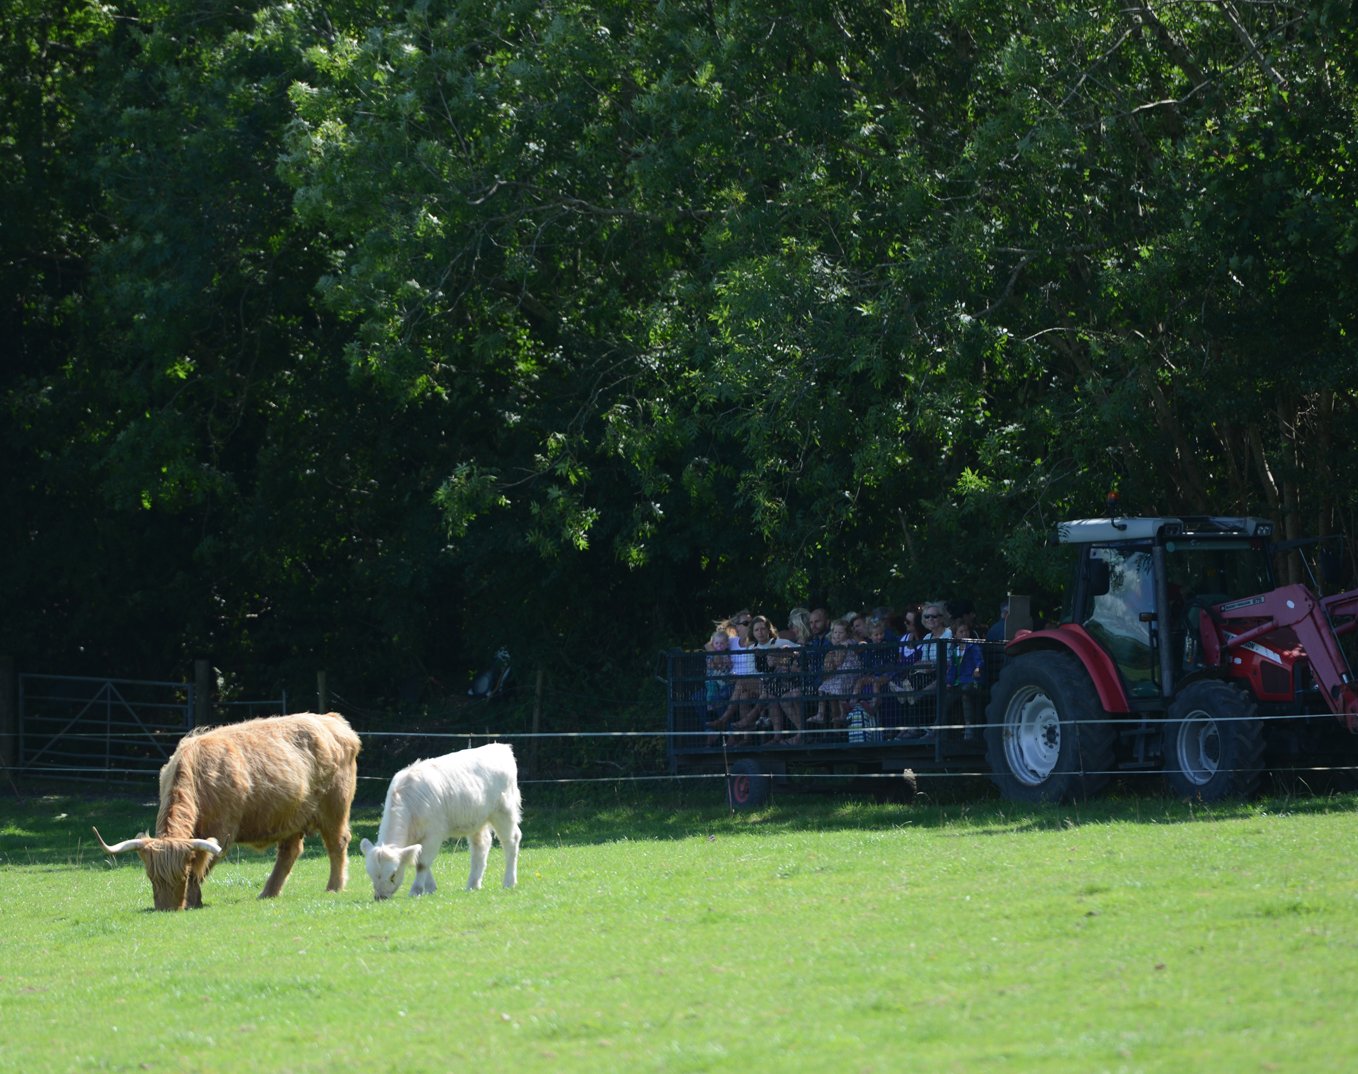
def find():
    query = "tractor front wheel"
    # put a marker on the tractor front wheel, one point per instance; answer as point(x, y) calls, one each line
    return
point(1214, 743)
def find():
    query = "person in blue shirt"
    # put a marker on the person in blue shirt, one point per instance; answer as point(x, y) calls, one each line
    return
point(996, 631)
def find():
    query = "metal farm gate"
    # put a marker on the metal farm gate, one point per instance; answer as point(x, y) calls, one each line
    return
point(108, 729)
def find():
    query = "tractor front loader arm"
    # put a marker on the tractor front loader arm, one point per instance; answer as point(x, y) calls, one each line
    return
point(1313, 620)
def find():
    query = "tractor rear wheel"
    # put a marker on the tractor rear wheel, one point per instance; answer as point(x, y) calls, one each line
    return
point(1047, 738)
point(1214, 744)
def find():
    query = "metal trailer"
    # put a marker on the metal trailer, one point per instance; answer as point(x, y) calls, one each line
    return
point(918, 722)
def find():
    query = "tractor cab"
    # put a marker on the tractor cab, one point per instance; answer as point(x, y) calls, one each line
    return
point(1143, 585)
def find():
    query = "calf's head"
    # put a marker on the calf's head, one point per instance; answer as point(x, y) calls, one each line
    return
point(170, 864)
point(387, 865)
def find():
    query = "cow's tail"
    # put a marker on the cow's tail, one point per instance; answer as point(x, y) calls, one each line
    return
point(512, 799)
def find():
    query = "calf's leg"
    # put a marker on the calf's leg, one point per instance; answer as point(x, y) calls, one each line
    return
point(424, 866)
point(424, 879)
point(479, 844)
point(507, 831)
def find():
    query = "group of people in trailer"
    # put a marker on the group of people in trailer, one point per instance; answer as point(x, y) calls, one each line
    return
point(860, 671)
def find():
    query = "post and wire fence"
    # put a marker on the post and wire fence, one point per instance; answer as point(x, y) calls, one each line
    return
point(124, 760)
point(118, 733)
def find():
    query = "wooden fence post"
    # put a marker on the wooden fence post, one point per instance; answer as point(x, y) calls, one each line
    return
point(9, 713)
point(537, 727)
point(202, 692)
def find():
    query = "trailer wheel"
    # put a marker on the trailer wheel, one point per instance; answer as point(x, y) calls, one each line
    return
point(747, 785)
point(1214, 744)
point(1047, 738)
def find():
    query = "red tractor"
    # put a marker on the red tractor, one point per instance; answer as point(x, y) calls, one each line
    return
point(1177, 652)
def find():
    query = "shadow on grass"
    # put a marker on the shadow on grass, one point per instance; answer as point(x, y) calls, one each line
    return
point(55, 829)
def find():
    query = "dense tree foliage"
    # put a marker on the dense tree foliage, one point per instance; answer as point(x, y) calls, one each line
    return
point(374, 335)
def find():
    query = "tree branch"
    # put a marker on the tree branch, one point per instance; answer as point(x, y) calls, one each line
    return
point(1141, 12)
point(1229, 11)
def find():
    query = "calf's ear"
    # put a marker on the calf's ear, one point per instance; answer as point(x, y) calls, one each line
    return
point(365, 846)
point(411, 853)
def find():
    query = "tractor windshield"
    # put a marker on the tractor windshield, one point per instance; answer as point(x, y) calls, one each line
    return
point(1203, 571)
point(1123, 614)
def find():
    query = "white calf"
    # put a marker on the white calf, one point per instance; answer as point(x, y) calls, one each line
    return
point(459, 794)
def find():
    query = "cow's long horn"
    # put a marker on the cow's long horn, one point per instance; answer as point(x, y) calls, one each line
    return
point(126, 844)
point(210, 845)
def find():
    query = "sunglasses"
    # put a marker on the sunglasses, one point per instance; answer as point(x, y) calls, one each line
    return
point(928, 616)
point(741, 622)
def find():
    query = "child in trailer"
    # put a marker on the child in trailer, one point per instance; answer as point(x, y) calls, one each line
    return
point(879, 663)
point(717, 688)
point(840, 669)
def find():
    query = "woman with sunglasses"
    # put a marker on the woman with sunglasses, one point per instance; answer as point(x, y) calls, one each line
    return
point(934, 619)
point(915, 685)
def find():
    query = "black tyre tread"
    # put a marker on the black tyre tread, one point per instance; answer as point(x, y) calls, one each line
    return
point(1089, 756)
point(760, 784)
point(1244, 771)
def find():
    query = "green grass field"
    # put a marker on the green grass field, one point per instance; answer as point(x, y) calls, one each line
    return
point(651, 934)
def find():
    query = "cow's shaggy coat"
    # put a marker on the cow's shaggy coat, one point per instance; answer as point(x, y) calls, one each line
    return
point(261, 782)
point(468, 793)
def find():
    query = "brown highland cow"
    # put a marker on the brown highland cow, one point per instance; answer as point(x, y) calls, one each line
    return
point(260, 782)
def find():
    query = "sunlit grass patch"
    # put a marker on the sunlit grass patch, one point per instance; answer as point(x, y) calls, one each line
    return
point(819, 934)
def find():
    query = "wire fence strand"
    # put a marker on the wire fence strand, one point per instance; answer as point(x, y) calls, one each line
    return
point(790, 761)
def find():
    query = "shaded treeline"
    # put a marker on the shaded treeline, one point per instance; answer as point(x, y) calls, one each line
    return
point(373, 336)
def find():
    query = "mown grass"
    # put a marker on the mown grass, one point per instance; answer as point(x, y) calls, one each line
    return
point(651, 933)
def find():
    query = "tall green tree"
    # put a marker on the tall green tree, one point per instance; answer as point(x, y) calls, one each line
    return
point(377, 335)
point(649, 265)
point(203, 477)
point(1164, 192)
